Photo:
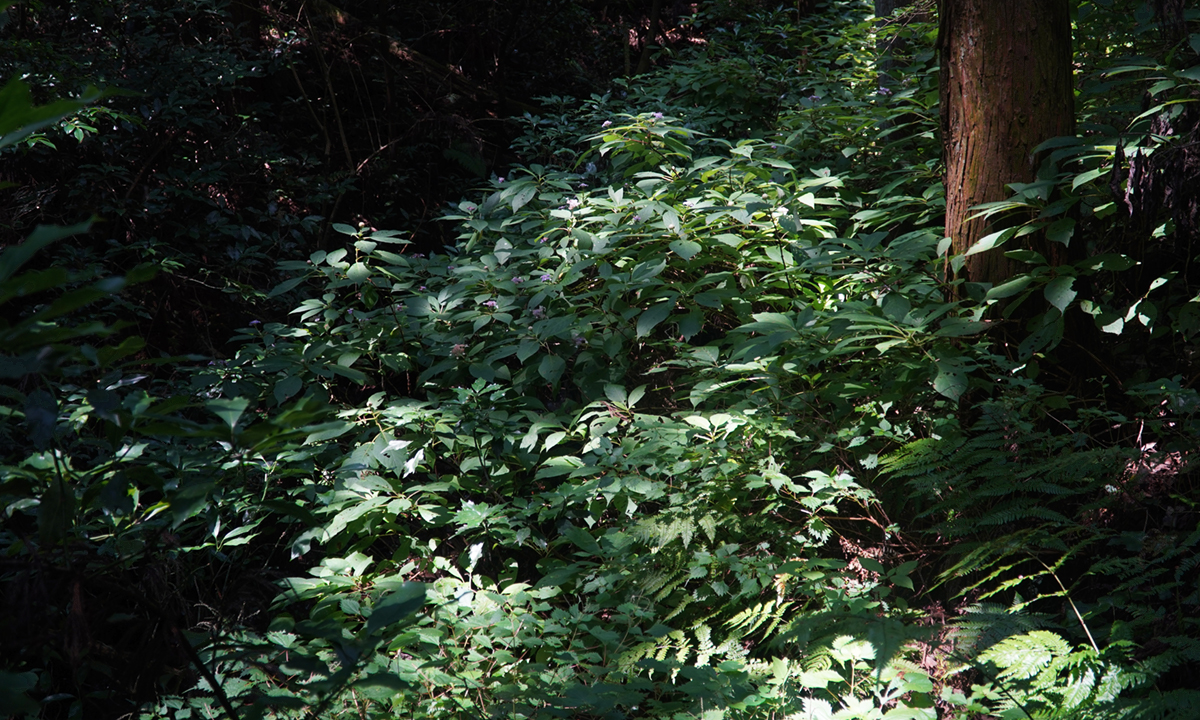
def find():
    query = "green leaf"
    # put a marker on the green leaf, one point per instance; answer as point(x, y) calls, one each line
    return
point(189, 501)
point(551, 368)
point(615, 393)
point(1192, 73)
point(229, 410)
point(654, 315)
point(1059, 292)
point(1010, 288)
point(951, 381)
point(13, 686)
point(19, 117)
point(523, 197)
point(327, 431)
point(396, 606)
point(958, 327)
point(685, 249)
point(1061, 230)
point(358, 273)
point(1112, 262)
point(285, 286)
point(16, 256)
point(287, 387)
point(527, 349)
point(583, 540)
point(991, 241)
point(41, 416)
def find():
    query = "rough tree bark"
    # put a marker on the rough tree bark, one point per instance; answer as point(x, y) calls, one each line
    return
point(1006, 87)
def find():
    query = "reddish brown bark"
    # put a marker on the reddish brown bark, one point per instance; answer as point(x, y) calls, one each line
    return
point(1006, 87)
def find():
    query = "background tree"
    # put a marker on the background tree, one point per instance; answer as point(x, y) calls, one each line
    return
point(1006, 87)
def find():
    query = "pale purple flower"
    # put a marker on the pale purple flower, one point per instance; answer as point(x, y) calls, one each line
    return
point(539, 312)
point(458, 350)
point(580, 341)
point(572, 203)
point(657, 116)
point(883, 91)
point(499, 181)
point(518, 280)
point(490, 304)
point(256, 322)
point(545, 278)
point(421, 289)
point(606, 123)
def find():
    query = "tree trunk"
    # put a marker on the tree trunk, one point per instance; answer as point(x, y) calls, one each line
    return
point(650, 38)
point(1006, 87)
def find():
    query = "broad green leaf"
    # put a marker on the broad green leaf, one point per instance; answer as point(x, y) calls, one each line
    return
point(358, 272)
point(189, 501)
point(527, 349)
point(13, 686)
point(396, 606)
point(951, 381)
point(551, 368)
point(229, 410)
point(1061, 230)
point(1059, 292)
point(685, 249)
point(615, 393)
point(994, 240)
point(1192, 73)
point(654, 315)
point(523, 196)
point(286, 387)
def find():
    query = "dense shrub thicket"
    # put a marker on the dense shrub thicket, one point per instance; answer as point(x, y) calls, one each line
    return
point(687, 419)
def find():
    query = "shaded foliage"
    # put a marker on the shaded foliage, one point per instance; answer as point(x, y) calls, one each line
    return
point(684, 419)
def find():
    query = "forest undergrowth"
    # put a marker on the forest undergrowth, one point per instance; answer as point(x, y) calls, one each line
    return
point(691, 420)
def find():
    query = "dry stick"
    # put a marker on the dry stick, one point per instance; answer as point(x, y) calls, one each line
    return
point(309, 106)
point(149, 161)
point(1067, 595)
point(337, 113)
point(212, 680)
